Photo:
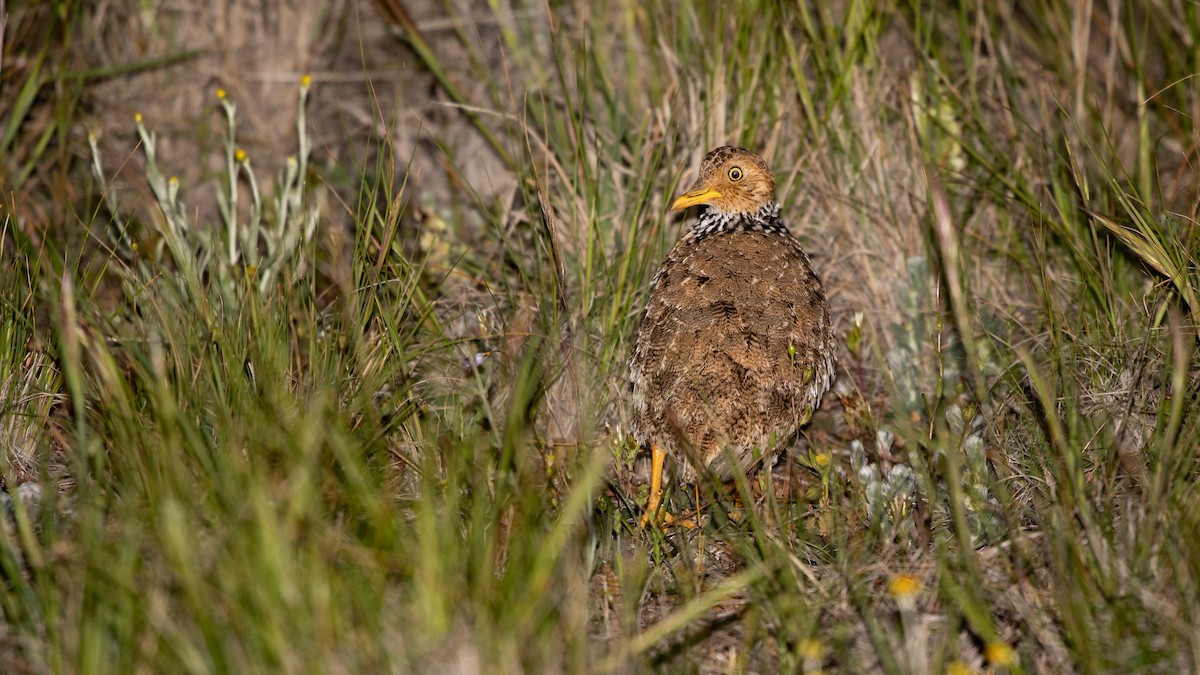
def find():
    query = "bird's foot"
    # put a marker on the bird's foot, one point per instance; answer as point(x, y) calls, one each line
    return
point(664, 518)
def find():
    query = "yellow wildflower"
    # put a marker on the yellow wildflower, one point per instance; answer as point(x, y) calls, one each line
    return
point(904, 586)
point(1000, 654)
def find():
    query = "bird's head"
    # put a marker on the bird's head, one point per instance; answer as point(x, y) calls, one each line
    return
point(732, 180)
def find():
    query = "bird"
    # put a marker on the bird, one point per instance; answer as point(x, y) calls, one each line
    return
point(736, 345)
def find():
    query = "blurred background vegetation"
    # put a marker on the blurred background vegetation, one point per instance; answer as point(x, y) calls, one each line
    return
point(316, 316)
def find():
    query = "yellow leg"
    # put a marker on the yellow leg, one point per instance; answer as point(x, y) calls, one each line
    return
point(657, 458)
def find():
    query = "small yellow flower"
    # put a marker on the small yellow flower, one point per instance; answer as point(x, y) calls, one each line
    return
point(292, 161)
point(137, 118)
point(1000, 654)
point(306, 80)
point(220, 94)
point(959, 668)
point(174, 181)
point(821, 460)
point(904, 586)
point(812, 650)
point(240, 155)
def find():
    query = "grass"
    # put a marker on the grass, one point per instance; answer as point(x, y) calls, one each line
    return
point(260, 451)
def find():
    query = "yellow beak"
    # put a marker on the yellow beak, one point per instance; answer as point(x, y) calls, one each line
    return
point(701, 196)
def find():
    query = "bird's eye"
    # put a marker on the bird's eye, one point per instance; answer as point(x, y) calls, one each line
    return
point(735, 173)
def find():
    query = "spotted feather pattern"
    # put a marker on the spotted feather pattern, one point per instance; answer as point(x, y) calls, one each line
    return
point(736, 345)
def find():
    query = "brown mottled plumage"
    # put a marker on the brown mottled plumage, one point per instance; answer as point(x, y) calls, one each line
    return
point(736, 345)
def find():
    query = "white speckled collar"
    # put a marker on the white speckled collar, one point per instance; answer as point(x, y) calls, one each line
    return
point(713, 221)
